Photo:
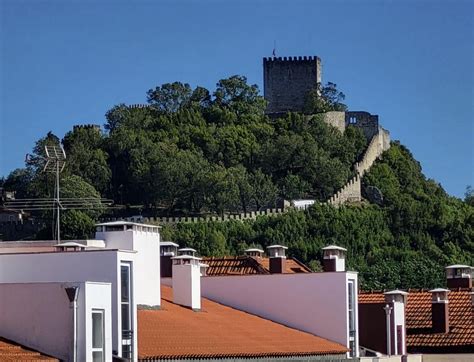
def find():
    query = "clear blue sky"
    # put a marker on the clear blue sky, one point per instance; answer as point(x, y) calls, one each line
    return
point(411, 62)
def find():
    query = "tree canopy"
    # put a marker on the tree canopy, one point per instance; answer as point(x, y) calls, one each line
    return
point(191, 151)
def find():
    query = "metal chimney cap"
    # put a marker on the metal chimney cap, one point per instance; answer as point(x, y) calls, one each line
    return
point(334, 247)
point(253, 250)
point(396, 292)
point(187, 257)
point(187, 249)
point(277, 246)
point(168, 243)
point(439, 290)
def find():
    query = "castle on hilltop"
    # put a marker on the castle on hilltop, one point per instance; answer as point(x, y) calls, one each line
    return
point(288, 80)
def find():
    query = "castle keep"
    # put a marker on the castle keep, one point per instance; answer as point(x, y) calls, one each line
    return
point(287, 81)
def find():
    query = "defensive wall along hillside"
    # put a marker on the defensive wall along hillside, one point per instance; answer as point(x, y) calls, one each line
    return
point(350, 192)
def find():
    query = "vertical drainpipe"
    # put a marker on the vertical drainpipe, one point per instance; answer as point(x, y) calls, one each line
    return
point(72, 293)
point(388, 309)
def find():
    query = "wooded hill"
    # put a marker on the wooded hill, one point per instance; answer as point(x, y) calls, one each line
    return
point(191, 153)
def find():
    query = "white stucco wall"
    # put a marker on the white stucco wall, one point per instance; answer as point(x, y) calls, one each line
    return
point(187, 285)
point(97, 266)
point(28, 310)
point(399, 319)
point(95, 296)
point(40, 316)
point(313, 302)
point(146, 269)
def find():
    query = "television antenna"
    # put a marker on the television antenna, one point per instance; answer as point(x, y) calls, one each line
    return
point(54, 163)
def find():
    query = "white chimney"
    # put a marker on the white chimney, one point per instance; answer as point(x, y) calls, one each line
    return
point(334, 258)
point(396, 324)
point(459, 276)
point(187, 251)
point(277, 258)
point(187, 281)
point(254, 252)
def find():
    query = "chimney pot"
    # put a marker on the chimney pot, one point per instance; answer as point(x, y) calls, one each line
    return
point(187, 281)
point(168, 250)
point(334, 258)
point(277, 257)
point(254, 252)
point(187, 251)
point(440, 310)
point(459, 276)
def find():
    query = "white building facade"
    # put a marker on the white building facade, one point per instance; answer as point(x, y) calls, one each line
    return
point(128, 264)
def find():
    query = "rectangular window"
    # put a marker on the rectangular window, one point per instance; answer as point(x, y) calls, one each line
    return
point(126, 309)
point(351, 305)
point(98, 337)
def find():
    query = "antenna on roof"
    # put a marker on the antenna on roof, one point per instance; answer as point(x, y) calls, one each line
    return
point(54, 163)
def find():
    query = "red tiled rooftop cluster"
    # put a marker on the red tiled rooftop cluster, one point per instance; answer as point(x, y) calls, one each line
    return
point(245, 265)
point(10, 351)
point(218, 331)
point(418, 318)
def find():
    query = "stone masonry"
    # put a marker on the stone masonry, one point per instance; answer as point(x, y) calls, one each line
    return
point(368, 123)
point(287, 81)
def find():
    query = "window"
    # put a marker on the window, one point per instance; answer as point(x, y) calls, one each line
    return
point(98, 338)
point(126, 309)
point(351, 316)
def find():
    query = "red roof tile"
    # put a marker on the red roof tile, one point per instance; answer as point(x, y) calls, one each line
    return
point(418, 319)
point(10, 351)
point(244, 265)
point(218, 331)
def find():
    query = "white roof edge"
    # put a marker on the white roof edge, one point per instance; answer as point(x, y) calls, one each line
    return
point(186, 257)
point(72, 243)
point(437, 290)
point(396, 291)
point(334, 247)
point(187, 249)
point(124, 222)
point(254, 249)
point(276, 246)
point(457, 266)
point(168, 243)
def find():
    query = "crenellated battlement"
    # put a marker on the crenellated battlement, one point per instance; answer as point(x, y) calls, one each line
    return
point(95, 127)
point(292, 59)
point(288, 80)
point(189, 219)
point(138, 106)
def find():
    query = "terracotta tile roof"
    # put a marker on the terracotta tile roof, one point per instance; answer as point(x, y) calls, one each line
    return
point(371, 297)
point(233, 265)
point(218, 331)
point(418, 320)
point(10, 351)
point(244, 265)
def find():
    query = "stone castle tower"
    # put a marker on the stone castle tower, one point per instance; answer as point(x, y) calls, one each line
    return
point(287, 81)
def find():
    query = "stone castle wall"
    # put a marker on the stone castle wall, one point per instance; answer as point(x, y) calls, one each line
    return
point(188, 219)
point(367, 122)
point(287, 81)
point(379, 143)
point(350, 192)
point(336, 119)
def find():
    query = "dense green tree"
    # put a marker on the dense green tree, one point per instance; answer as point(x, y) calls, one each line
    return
point(170, 97)
point(192, 153)
point(324, 99)
point(87, 158)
